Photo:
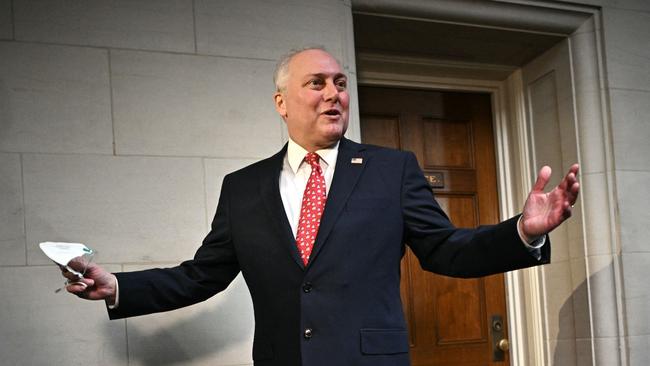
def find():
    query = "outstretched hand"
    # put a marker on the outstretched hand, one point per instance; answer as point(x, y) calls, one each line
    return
point(96, 284)
point(544, 212)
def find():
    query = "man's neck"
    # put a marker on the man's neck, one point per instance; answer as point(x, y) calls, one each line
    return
point(314, 147)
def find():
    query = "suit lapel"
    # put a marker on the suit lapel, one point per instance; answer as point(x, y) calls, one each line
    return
point(270, 193)
point(345, 178)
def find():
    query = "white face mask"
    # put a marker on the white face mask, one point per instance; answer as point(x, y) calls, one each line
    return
point(63, 253)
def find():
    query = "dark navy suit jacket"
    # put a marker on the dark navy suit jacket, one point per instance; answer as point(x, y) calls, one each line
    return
point(348, 295)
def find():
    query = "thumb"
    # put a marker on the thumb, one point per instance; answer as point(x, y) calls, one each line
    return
point(542, 178)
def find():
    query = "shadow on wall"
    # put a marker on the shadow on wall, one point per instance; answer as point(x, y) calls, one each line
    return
point(574, 336)
point(222, 332)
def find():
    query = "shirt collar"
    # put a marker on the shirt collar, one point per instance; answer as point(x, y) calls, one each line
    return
point(296, 155)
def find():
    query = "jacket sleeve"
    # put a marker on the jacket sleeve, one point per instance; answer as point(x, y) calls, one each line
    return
point(211, 270)
point(441, 248)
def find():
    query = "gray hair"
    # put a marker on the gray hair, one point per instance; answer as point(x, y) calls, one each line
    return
point(281, 73)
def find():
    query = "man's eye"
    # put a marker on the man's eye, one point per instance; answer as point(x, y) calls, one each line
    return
point(341, 84)
point(315, 82)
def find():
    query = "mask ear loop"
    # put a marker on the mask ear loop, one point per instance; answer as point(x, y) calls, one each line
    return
point(88, 258)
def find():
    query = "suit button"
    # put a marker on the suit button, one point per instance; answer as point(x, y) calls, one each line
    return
point(306, 288)
point(307, 333)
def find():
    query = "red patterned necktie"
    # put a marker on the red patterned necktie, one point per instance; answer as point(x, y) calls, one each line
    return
point(313, 204)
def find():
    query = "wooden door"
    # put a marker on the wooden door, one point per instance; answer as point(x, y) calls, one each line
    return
point(449, 319)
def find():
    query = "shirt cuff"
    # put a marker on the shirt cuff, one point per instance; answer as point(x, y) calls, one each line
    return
point(117, 296)
point(534, 247)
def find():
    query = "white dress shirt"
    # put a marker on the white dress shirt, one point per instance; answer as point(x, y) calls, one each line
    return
point(295, 174)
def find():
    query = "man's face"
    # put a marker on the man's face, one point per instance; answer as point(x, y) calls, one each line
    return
point(315, 101)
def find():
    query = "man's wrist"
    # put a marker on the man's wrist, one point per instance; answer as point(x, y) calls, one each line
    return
point(112, 301)
point(525, 238)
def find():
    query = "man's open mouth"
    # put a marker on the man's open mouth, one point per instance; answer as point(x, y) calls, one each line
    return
point(332, 112)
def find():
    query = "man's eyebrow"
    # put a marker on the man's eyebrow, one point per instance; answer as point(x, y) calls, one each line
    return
point(337, 75)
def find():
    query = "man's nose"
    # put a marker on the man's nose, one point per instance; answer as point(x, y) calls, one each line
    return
point(331, 92)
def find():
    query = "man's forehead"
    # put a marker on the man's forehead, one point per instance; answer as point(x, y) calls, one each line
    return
point(315, 62)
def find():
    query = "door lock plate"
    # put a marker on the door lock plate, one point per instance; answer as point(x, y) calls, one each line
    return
point(500, 344)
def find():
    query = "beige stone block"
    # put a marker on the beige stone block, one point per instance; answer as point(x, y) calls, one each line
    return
point(595, 208)
point(633, 204)
point(163, 25)
point(620, 4)
point(638, 347)
point(627, 50)
point(135, 209)
point(560, 241)
point(45, 328)
point(636, 271)
point(266, 30)
point(575, 234)
point(642, 5)
point(215, 171)
point(584, 355)
point(6, 23)
point(603, 294)
point(54, 99)
point(12, 213)
point(563, 352)
point(559, 300)
point(630, 128)
point(182, 105)
point(607, 351)
point(580, 298)
point(218, 331)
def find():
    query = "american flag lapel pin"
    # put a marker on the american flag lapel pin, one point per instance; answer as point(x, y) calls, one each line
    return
point(356, 161)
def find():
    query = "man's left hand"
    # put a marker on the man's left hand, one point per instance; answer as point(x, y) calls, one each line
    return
point(544, 212)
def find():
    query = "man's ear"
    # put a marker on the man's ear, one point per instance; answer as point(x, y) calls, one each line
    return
point(280, 104)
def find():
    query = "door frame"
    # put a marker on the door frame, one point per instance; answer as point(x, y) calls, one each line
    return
point(596, 212)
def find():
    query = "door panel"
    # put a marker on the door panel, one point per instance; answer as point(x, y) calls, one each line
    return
point(451, 135)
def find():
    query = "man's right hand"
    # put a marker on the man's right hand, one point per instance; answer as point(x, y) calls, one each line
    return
point(97, 283)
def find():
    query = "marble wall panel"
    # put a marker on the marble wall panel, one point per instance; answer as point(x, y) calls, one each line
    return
point(642, 5)
point(602, 286)
point(12, 213)
point(559, 301)
point(54, 99)
point(183, 105)
point(607, 351)
point(627, 48)
point(630, 128)
point(563, 352)
point(638, 347)
point(633, 210)
point(268, 29)
point(6, 21)
point(135, 209)
point(637, 292)
point(584, 356)
point(46, 328)
point(595, 207)
point(162, 25)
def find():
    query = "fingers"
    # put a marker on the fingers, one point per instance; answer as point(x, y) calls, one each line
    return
point(542, 178)
point(81, 287)
point(573, 193)
point(76, 287)
point(79, 264)
point(571, 185)
point(67, 274)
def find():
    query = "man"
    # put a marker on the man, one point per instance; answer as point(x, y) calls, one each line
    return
point(318, 231)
